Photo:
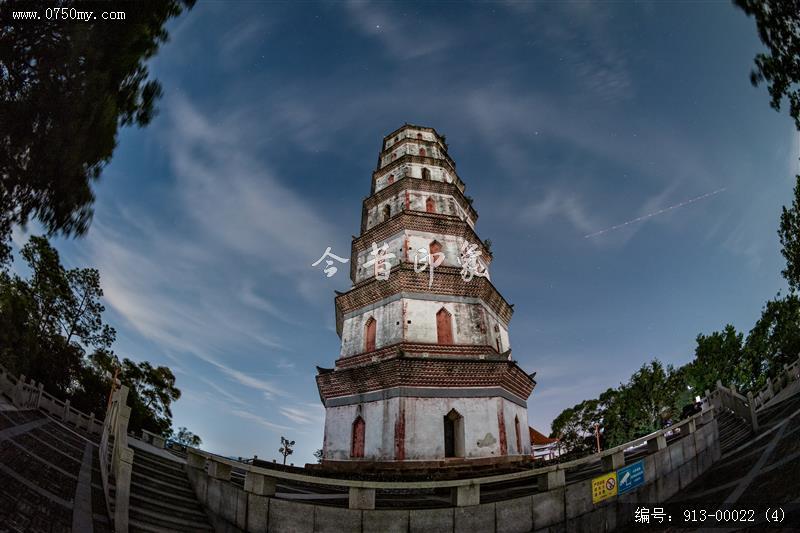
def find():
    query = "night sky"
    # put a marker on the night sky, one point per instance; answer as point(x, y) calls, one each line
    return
point(563, 118)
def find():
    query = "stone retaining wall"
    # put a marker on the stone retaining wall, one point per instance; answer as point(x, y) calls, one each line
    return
point(570, 507)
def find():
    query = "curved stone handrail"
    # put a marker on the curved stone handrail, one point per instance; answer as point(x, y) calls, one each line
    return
point(466, 491)
point(33, 396)
point(116, 458)
point(790, 374)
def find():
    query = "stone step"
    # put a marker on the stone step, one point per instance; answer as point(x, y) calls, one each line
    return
point(164, 485)
point(177, 499)
point(171, 467)
point(177, 478)
point(136, 526)
point(159, 459)
point(185, 511)
point(167, 521)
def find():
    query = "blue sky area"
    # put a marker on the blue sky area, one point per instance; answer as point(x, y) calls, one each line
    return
point(563, 118)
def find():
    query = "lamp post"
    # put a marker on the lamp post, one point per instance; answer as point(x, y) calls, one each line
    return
point(597, 436)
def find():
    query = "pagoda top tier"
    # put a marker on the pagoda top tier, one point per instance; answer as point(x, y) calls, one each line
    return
point(426, 140)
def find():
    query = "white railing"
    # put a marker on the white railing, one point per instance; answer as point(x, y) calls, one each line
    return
point(32, 396)
point(790, 374)
point(116, 459)
point(723, 397)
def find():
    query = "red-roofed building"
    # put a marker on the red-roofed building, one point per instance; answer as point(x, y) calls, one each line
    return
point(543, 447)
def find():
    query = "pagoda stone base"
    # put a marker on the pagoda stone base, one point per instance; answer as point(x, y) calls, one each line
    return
point(416, 428)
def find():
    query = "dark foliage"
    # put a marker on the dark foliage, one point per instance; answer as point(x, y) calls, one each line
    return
point(65, 89)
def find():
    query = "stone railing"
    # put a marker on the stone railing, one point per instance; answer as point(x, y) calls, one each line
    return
point(116, 459)
point(668, 468)
point(723, 397)
point(33, 396)
point(790, 374)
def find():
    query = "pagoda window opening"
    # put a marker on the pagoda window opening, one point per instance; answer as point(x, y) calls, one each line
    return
point(444, 327)
point(387, 212)
point(369, 334)
point(434, 247)
point(357, 441)
point(422, 151)
point(426, 174)
point(419, 136)
point(430, 205)
point(453, 434)
point(519, 436)
point(390, 180)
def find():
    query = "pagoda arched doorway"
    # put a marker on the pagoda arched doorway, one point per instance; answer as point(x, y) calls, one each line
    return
point(453, 434)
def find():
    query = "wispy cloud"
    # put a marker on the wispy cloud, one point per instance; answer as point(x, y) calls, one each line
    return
point(558, 203)
point(307, 414)
point(227, 213)
point(246, 415)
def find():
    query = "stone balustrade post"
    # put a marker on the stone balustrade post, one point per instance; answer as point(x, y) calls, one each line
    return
point(30, 394)
point(691, 426)
point(753, 415)
point(219, 470)
point(656, 444)
point(65, 415)
point(90, 423)
point(39, 392)
point(466, 495)
point(18, 390)
point(613, 461)
point(195, 460)
point(551, 480)
point(122, 490)
point(259, 484)
point(361, 498)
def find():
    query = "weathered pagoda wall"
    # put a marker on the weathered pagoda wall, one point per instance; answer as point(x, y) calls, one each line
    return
point(473, 323)
point(417, 201)
point(413, 241)
point(421, 429)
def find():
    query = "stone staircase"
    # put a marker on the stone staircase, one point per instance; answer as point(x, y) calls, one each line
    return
point(161, 497)
point(733, 431)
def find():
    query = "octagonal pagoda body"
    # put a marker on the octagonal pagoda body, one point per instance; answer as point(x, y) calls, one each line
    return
point(425, 370)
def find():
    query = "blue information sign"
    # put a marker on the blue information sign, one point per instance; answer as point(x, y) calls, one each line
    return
point(631, 476)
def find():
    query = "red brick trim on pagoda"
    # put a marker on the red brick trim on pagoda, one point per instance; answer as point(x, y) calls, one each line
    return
point(424, 372)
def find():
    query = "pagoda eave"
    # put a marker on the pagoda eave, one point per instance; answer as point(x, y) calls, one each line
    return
point(426, 377)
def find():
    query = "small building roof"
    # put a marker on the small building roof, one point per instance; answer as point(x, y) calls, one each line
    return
point(539, 439)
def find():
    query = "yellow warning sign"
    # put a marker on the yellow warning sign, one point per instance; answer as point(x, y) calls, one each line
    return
point(604, 487)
